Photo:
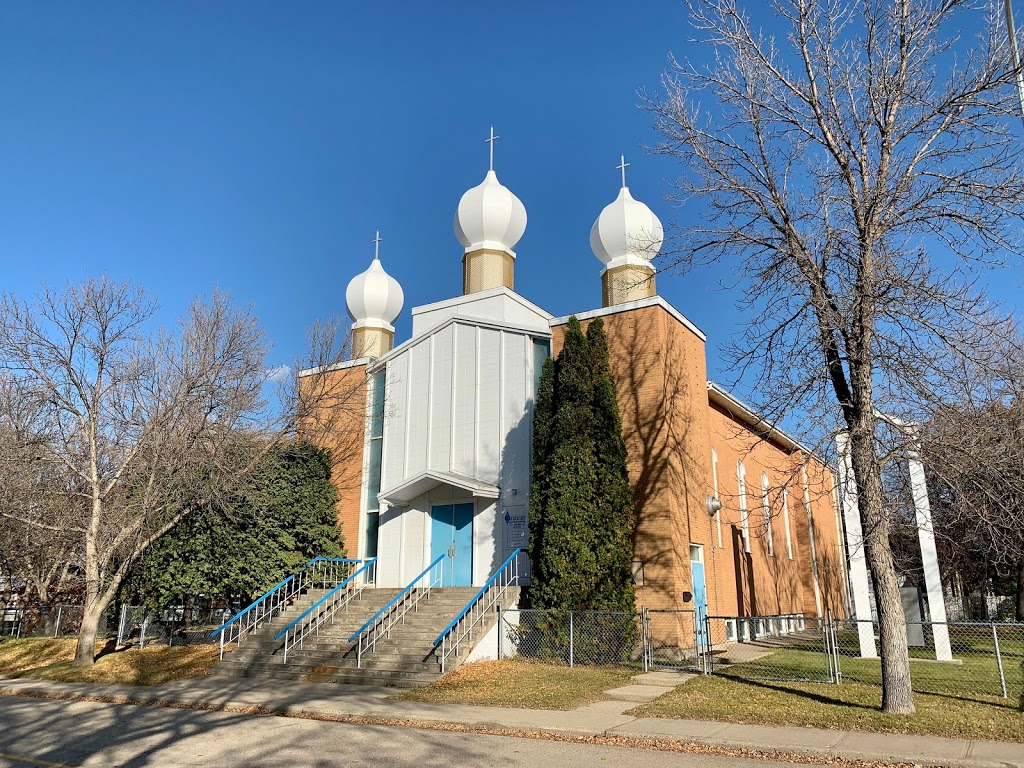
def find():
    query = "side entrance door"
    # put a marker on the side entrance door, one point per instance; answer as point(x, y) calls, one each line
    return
point(700, 593)
point(451, 534)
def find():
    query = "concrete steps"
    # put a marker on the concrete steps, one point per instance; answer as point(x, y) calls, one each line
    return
point(405, 659)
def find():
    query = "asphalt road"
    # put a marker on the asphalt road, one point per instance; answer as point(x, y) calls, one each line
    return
point(52, 734)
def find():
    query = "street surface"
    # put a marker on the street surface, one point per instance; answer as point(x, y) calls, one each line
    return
point(52, 734)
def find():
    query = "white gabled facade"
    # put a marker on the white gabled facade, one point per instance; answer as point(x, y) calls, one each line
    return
point(457, 412)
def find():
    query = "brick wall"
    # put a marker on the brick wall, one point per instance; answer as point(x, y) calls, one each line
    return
point(337, 421)
point(670, 427)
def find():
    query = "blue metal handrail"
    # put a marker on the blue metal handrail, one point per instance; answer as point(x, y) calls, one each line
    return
point(411, 585)
point(476, 597)
point(328, 596)
point(280, 585)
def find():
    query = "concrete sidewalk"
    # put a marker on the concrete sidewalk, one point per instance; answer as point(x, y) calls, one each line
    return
point(605, 718)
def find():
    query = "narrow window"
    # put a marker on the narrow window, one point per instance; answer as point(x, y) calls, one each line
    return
point(767, 514)
point(375, 459)
point(741, 483)
point(785, 521)
point(714, 480)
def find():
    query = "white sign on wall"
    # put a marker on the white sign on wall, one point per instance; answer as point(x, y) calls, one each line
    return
point(517, 529)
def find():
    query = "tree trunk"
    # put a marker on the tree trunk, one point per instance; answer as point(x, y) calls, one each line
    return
point(897, 694)
point(1020, 591)
point(85, 652)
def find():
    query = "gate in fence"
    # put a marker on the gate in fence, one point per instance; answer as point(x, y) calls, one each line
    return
point(677, 639)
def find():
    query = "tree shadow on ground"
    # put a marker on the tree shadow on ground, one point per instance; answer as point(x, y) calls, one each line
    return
point(131, 736)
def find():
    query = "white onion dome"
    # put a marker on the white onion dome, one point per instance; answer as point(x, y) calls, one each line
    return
point(374, 298)
point(626, 232)
point(490, 216)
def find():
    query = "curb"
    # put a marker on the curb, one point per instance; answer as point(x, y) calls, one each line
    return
point(845, 758)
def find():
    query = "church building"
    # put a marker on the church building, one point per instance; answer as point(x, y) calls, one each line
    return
point(432, 454)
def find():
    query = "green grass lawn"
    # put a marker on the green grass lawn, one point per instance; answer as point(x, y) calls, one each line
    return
point(517, 683)
point(962, 699)
point(973, 674)
point(51, 659)
point(851, 706)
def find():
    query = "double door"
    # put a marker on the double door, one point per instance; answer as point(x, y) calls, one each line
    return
point(451, 534)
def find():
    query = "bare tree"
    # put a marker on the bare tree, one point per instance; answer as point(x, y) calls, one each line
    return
point(974, 450)
point(147, 424)
point(858, 169)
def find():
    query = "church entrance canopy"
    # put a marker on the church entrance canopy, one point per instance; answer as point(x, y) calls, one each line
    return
point(406, 491)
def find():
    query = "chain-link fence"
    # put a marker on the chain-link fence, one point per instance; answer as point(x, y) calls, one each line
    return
point(789, 647)
point(572, 637)
point(964, 659)
point(49, 621)
point(979, 661)
point(172, 626)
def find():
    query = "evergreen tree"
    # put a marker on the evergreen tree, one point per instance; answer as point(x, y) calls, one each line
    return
point(581, 511)
point(614, 496)
point(285, 516)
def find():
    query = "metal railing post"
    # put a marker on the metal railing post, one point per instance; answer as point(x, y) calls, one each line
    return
point(222, 643)
point(999, 659)
point(56, 627)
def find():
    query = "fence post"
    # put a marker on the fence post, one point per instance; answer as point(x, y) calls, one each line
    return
point(120, 627)
point(570, 639)
point(999, 659)
point(643, 637)
point(709, 665)
point(56, 628)
point(823, 626)
point(835, 651)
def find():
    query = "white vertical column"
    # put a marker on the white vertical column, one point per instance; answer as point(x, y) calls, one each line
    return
point(855, 543)
point(929, 558)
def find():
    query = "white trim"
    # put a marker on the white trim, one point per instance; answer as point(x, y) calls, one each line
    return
point(466, 298)
point(335, 366)
point(473, 322)
point(412, 488)
point(651, 301)
point(719, 396)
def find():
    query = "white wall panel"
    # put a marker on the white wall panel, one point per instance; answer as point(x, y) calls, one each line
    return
point(389, 549)
point(419, 409)
point(517, 380)
point(489, 397)
point(486, 541)
point(395, 394)
point(464, 416)
point(441, 399)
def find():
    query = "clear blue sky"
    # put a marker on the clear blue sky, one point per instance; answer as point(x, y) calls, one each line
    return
point(257, 146)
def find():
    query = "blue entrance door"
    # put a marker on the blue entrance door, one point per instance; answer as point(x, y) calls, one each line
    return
point(700, 593)
point(451, 534)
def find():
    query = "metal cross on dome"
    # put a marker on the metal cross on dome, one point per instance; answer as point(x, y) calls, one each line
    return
point(491, 142)
point(622, 166)
point(376, 246)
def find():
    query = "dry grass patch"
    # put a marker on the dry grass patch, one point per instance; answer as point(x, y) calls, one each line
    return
point(48, 659)
point(524, 684)
point(849, 707)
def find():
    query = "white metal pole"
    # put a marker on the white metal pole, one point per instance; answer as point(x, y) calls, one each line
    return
point(929, 558)
point(855, 542)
